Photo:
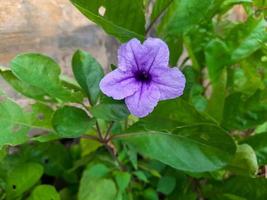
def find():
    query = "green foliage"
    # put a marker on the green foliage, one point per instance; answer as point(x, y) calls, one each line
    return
point(88, 72)
point(71, 122)
point(44, 192)
point(71, 142)
point(196, 148)
point(122, 19)
point(22, 178)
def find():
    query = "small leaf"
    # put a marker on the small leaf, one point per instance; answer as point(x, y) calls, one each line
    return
point(22, 178)
point(122, 180)
point(88, 73)
point(71, 122)
point(166, 185)
point(110, 110)
point(44, 192)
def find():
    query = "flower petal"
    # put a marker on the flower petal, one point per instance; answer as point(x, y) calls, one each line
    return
point(119, 84)
point(170, 82)
point(129, 54)
point(156, 54)
point(142, 102)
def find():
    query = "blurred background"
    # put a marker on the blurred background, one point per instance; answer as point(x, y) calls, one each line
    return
point(52, 27)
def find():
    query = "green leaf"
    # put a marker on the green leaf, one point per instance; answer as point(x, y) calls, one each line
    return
point(44, 192)
point(245, 161)
point(183, 15)
point(190, 148)
point(166, 185)
point(94, 185)
point(22, 178)
point(41, 115)
point(122, 19)
point(171, 114)
point(43, 73)
point(88, 73)
point(14, 124)
point(22, 87)
point(159, 7)
point(122, 179)
point(247, 79)
point(242, 112)
point(71, 122)
point(54, 157)
point(217, 99)
point(174, 43)
point(259, 143)
point(247, 37)
point(251, 188)
point(88, 146)
point(110, 110)
point(150, 194)
point(46, 137)
point(215, 51)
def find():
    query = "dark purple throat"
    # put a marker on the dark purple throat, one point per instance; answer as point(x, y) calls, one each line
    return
point(143, 76)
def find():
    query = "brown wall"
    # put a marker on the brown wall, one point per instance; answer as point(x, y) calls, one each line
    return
point(52, 27)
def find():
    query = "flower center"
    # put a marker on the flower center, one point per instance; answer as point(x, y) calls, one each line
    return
point(142, 76)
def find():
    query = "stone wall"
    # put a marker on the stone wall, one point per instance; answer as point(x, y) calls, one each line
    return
point(52, 27)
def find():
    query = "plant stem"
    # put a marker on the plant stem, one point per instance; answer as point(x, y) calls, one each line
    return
point(108, 130)
point(114, 156)
point(92, 137)
point(98, 131)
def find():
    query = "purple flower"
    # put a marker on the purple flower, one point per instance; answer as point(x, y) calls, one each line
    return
point(143, 77)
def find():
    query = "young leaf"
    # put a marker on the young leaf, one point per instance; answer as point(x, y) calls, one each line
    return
point(110, 110)
point(44, 192)
point(71, 122)
point(88, 73)
point(191, 148)
point(122, 19)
